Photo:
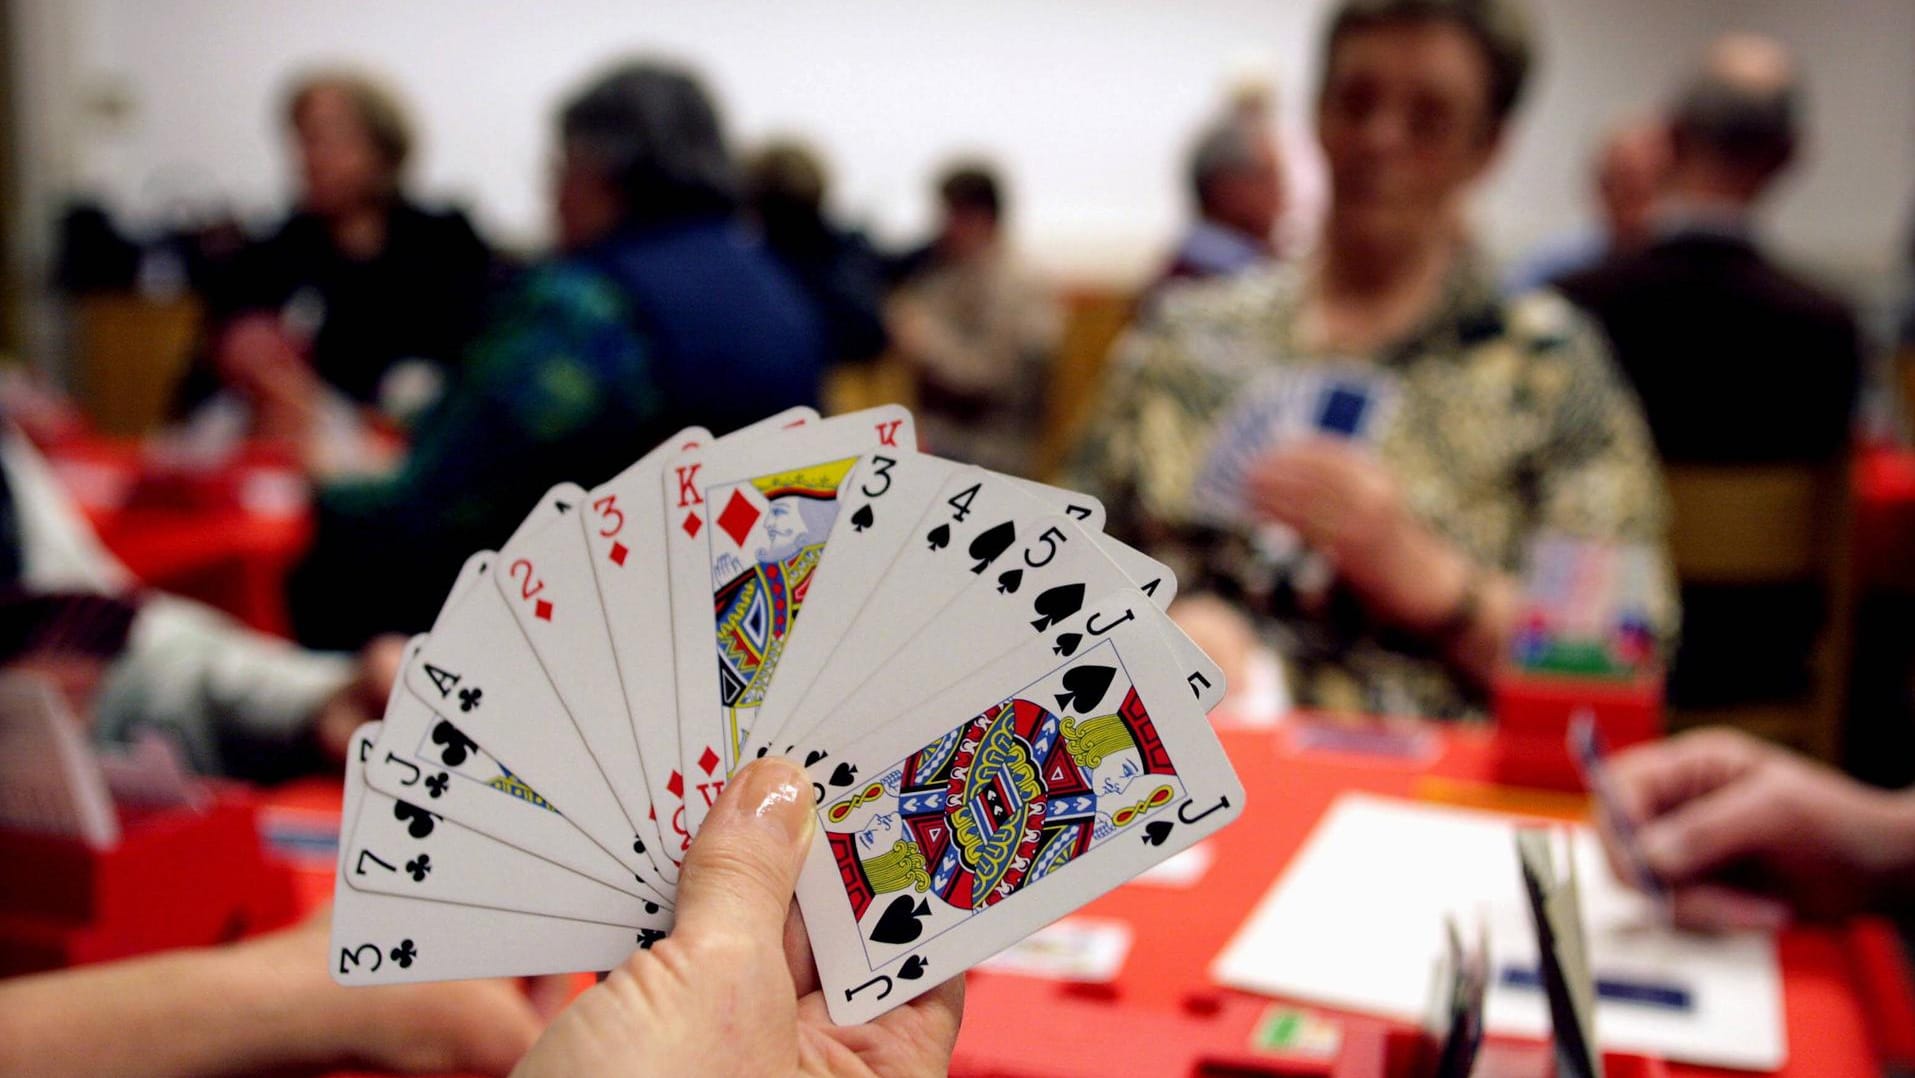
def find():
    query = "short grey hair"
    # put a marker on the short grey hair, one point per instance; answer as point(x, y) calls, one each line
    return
point(654, 131)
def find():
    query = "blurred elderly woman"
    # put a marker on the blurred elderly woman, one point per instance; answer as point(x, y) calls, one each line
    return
point(1509, 417)
point(360, 280)
point(658, 311)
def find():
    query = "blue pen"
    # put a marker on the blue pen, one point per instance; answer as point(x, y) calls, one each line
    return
point(1585, 748)
point(1661, 994)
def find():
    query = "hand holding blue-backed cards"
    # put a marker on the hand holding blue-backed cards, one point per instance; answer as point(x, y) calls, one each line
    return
point(999, 721)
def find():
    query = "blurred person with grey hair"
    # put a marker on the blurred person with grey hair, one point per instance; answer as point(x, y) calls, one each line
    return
point(659, 310)
point(1236, 186)
point(1736, 359)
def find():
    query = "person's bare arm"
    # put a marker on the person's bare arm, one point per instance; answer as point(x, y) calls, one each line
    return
point(264, 1005)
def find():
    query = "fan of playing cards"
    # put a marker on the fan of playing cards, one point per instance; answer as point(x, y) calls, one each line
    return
point(999, 722)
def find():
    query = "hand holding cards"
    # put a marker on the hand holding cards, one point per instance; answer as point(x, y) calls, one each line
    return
point(998, 722)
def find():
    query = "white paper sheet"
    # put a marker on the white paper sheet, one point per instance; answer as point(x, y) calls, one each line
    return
point(1357, 923)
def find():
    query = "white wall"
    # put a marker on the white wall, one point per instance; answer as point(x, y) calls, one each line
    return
point(1089, 102)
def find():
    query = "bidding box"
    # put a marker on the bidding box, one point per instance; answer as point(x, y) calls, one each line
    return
point(1533, 713)
point(179, 877)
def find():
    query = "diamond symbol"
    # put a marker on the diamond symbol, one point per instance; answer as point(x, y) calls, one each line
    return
point(676, 785)
point(708, 759)
point(543, 611)
point(738, 517)
point(692, 524)
point(619, 550)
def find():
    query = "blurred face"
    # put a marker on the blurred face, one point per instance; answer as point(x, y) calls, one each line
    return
point(967, 232)
point(1250, 199)
point(1629, 179)
point(1404, 119)
point(339, 165)
point(586, 204)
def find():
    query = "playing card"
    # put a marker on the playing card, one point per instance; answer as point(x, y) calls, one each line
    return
point(390, 939)
point(477, 671)
point(746, 527)
point(1036, 588)
point(972, 520)
point(397, 847)
point(1010, 799)
point(1339, 400)
point(547, 583)
point(421, 758)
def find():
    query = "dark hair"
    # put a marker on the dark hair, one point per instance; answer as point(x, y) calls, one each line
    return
point(653, 131)
point(1228, 144)
point(1750, 127)
point(786, 172)
point(377, 108)
point(1500, 28)
point(971, 185)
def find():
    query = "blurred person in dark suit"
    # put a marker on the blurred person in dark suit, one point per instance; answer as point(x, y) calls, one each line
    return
point(977, 330)
point(1737, 360)
point(785, 187)
point(1236, 184)
point(1629, 172)
point(358, 284)
point(660, 310)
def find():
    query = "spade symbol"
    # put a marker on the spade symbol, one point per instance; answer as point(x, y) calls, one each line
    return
point(862, 519)
point(913, 968)
point(990, 543)
point(1008, 581)
point(900, 921)
point(417, 820)
point(845, 775)
point(1067, 644)
point(940, 537)
point(814, 756)
point(1084, 688)
point(1057, 604)
point(1156, 832)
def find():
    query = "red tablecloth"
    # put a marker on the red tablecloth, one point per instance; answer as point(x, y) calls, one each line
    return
point(1846, 992)
point(227, 536)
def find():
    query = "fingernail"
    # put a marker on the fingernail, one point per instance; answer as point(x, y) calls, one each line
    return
point(774, 793)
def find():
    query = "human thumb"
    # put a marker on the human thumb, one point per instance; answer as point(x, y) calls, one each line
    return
point(742, 868)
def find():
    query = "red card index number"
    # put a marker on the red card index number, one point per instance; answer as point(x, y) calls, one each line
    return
point(530, 585)
point(888, 432)
point(612, 521)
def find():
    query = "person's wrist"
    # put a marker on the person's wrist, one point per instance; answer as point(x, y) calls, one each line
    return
point(1886, 842)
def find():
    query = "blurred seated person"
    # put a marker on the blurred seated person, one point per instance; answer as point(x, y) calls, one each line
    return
point(1236, 182)
point(234, 700)
point(659, 311)
point(1509, 420)
point(1629, 172)
point(1749, 835)
point(362, 288)
point(785, 196)
point(977, 332)
point(1736, 360)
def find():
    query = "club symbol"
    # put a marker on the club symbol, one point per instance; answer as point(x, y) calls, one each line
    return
point(417, 820)
point(404, 954)
point(419, 868)
point(455, 745)
point(913, 967)
point(469, 698)
point(436, 784)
